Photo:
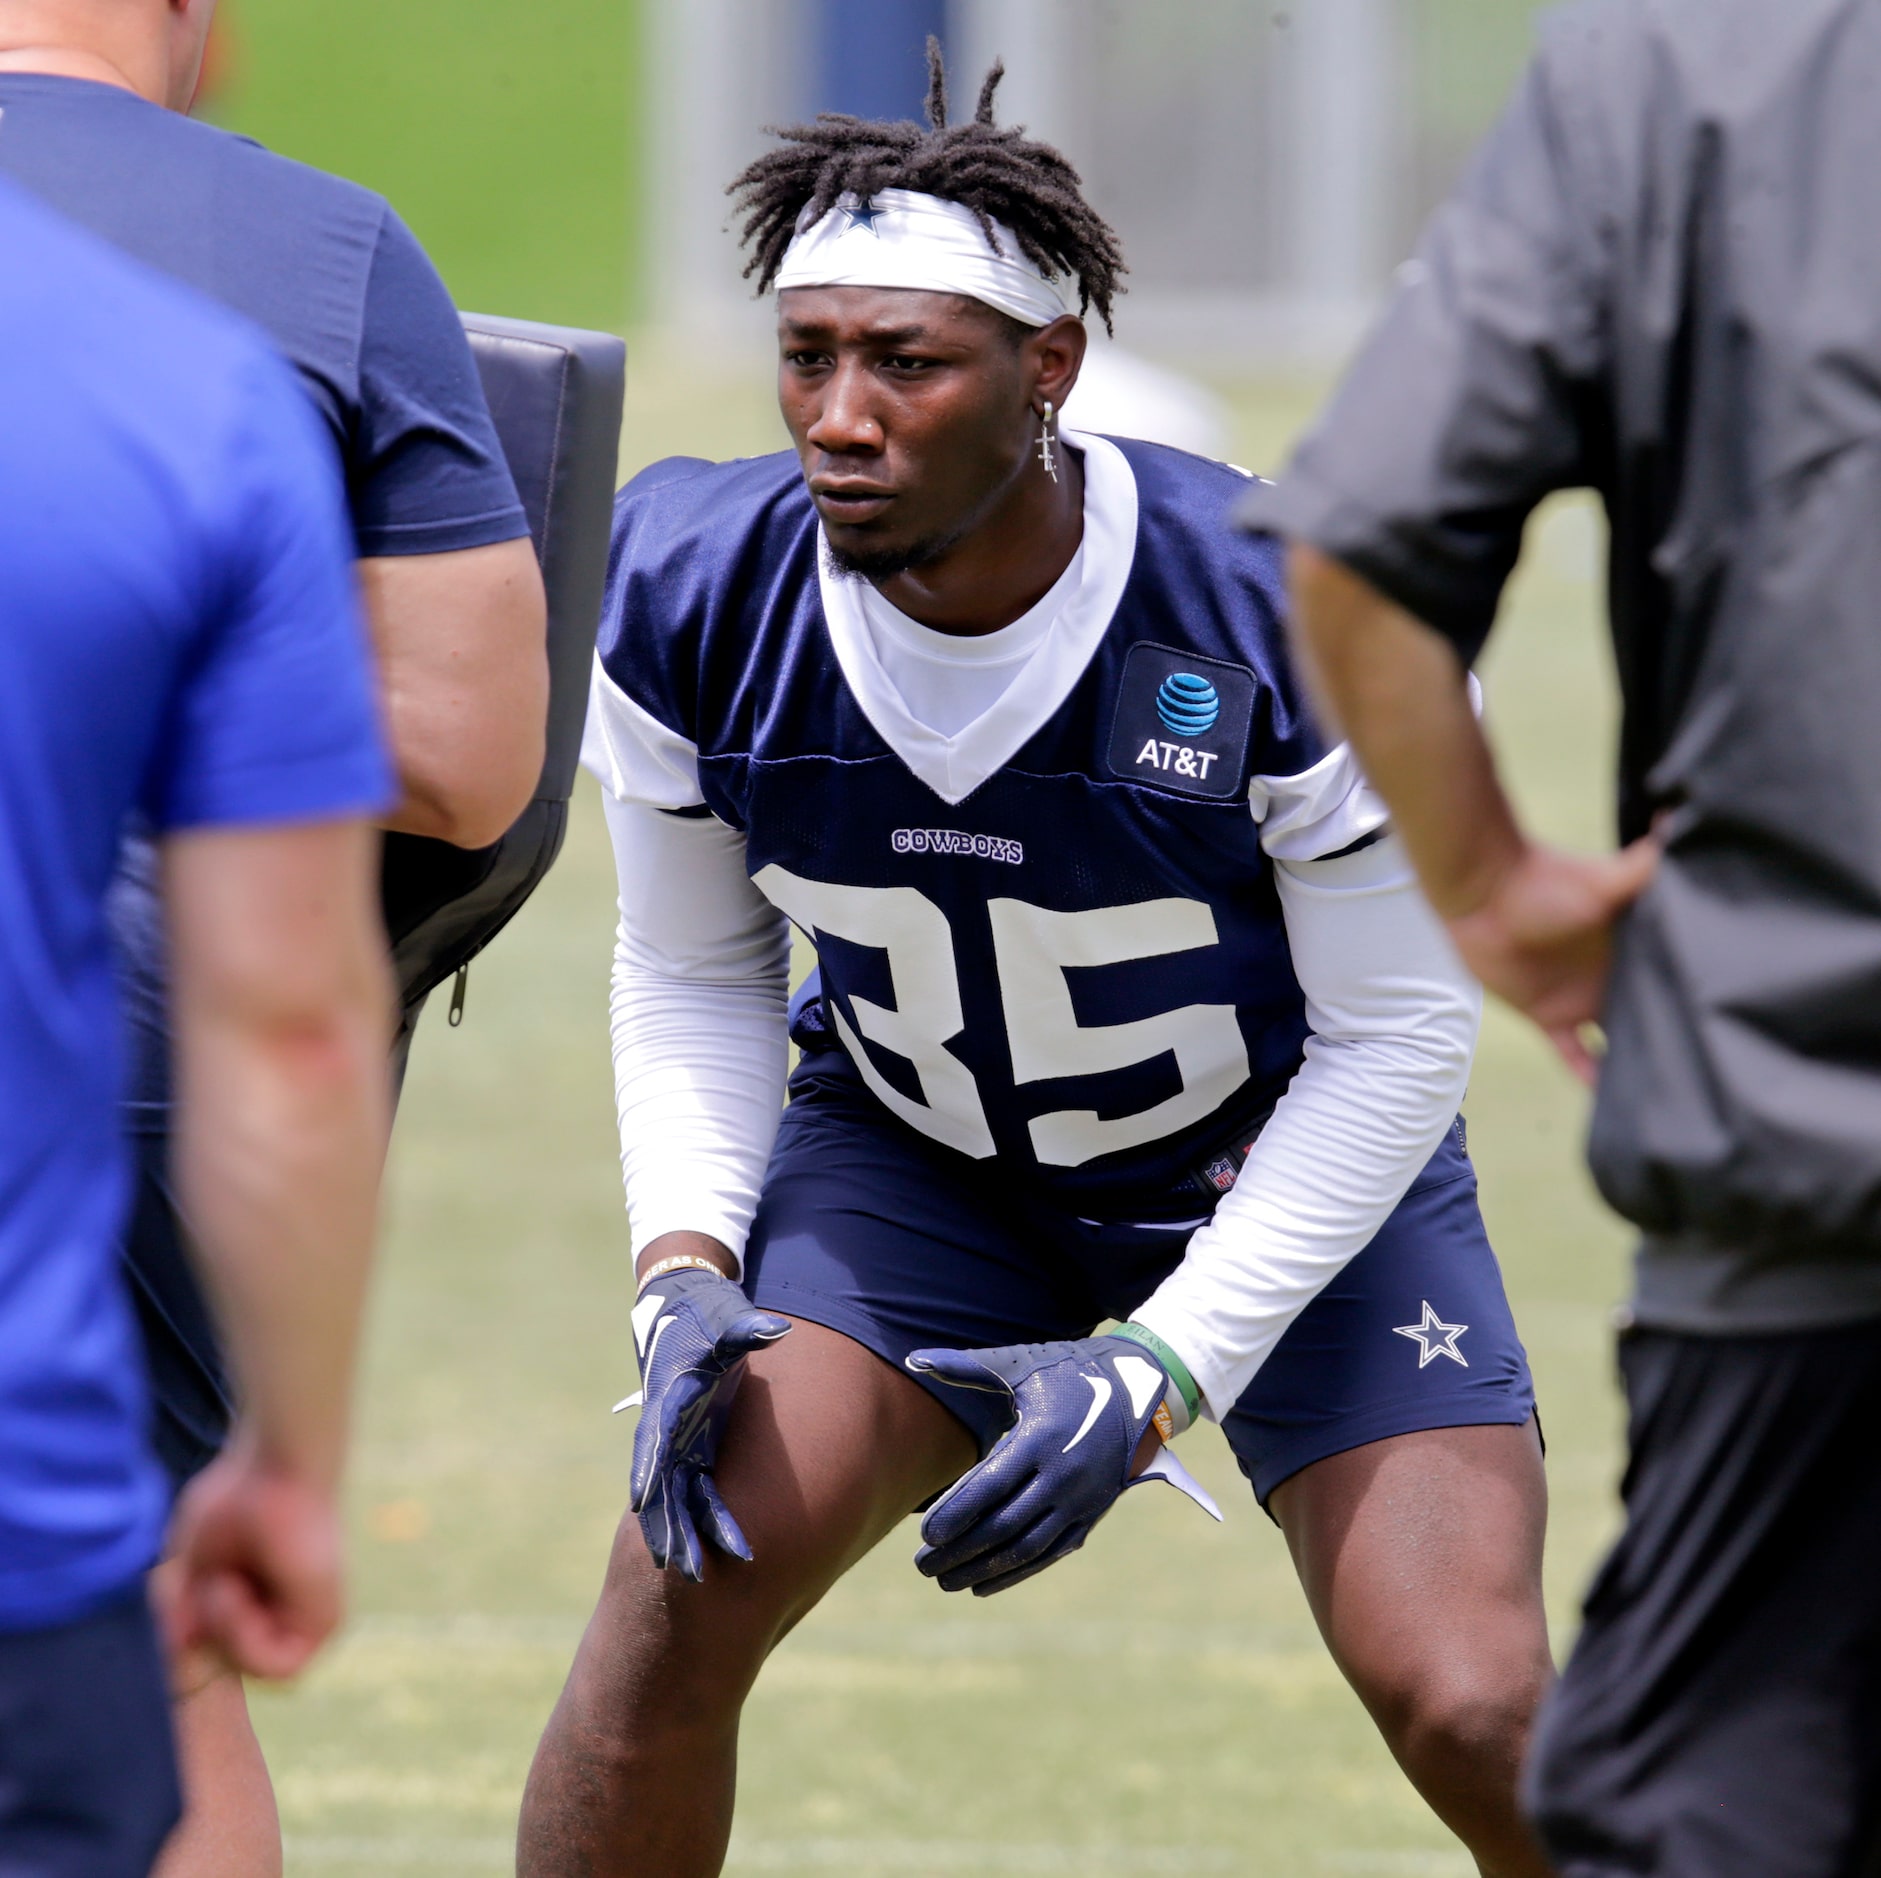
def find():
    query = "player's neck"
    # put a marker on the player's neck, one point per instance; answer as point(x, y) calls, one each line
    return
point(77, 62)
point(1006, 565)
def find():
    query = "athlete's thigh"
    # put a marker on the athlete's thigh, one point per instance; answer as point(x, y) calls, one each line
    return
point(826, 1449)
point(901, 1245)
point(873, 1243)
point(1392, 1436)
point(1420, 1556)
point(1414, 1335)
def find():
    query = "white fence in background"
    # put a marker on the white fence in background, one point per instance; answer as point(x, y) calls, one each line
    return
point(1266, 164)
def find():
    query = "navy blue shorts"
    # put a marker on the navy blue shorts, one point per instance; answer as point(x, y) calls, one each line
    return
point(88, 1783)
point(872, 1230)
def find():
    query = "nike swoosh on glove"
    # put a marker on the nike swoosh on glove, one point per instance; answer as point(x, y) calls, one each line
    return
point(693, 1330)
point(1079, 1412)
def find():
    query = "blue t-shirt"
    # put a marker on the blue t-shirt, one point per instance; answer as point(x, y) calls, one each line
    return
point(323, 266)
point(179, 639)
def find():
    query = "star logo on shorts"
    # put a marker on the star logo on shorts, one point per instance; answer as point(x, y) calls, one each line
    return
point(1434, 1338)
point(861, 213)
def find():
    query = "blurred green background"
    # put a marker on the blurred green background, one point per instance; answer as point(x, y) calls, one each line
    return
point(500, 131)
point(513, 137)
point(898, 1731)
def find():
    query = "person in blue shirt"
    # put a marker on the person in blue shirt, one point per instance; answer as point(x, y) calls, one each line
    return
point(1127, 1010)
point(179, 641)
point(92, 102)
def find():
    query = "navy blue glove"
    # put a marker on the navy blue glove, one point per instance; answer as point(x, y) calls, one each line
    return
point(1079, 1413)
point(694, 1329)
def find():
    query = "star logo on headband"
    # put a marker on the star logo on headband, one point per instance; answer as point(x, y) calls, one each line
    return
point(861, 214)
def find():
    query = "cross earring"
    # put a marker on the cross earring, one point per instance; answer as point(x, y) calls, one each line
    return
point(1046, 454)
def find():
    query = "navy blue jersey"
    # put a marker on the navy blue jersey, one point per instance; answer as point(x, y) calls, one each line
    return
point(1077, 962)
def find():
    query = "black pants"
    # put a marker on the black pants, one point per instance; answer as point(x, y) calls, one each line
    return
point(88, 1785)
point(192, 1401)
point(1721, 1715)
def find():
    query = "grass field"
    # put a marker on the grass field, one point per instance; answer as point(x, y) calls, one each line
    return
point(899, 1731)
point(504, 134)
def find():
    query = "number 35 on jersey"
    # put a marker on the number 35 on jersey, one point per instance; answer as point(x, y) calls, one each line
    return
point(1033, 950)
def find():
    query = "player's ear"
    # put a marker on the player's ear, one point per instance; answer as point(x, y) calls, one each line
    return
point(1056, 355)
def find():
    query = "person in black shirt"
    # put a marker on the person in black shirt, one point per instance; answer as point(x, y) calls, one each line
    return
point(453, 593)
point(1662, 278)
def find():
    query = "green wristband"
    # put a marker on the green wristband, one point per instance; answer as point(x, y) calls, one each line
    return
point(1178, 1370)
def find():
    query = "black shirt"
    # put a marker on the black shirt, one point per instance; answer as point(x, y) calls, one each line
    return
point(323, 266)
point(1661, 277)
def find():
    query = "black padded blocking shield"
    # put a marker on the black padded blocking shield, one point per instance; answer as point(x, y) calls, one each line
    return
point(555, 393)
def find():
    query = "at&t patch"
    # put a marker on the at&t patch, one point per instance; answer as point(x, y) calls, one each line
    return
point(1183, 722)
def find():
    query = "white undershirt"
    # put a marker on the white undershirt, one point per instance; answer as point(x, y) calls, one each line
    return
point(702, 958)
point(948, 680)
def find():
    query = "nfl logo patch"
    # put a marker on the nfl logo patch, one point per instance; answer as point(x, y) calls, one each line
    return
point(1222, 1172)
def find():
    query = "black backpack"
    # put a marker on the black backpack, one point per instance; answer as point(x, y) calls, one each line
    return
point(556, 394)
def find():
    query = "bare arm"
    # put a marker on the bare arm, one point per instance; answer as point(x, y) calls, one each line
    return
point(282, 1015)
point(1533, 924)
point(463, 664)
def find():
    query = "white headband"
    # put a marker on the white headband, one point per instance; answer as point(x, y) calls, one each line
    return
point(901, 238)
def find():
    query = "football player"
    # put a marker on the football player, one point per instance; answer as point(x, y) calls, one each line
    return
point(1127, 1010)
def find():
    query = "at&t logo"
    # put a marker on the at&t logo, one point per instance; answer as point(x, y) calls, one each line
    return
point(1176, 758)
point(1187, 704)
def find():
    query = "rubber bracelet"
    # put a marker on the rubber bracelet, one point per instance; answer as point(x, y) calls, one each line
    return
point(1178, 1370)
point(678, 1262)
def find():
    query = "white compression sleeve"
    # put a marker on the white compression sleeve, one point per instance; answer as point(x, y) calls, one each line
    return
point(701, 969)
point(1394, 1017)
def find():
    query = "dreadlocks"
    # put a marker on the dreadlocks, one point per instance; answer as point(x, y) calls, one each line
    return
point(998, 173)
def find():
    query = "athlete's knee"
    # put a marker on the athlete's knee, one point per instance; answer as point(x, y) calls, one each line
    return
point(1466, 1715)
point(1473, 1721)
point(663, 1656)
